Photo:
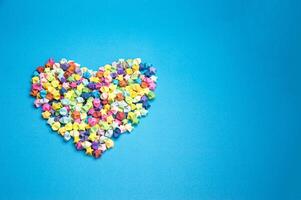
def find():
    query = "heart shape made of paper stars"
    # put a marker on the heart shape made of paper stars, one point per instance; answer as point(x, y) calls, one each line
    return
point(93, 107)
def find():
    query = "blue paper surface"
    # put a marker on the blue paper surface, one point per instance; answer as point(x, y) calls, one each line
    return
point(226, 120)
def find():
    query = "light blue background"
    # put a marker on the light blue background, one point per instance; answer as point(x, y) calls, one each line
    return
point(226, 121)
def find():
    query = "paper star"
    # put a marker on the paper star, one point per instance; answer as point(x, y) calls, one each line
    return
point(89, 151)
point(97, 153)
point(76, 139)
point(92, 136)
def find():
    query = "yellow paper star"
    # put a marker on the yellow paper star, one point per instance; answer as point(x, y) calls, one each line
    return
point(109, 143)
point(103, 111)
point(76, 139)
point(92, 136)
point(89, 151)
point(80, 87)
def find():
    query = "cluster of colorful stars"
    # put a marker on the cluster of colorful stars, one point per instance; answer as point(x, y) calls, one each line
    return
point(93, 107)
